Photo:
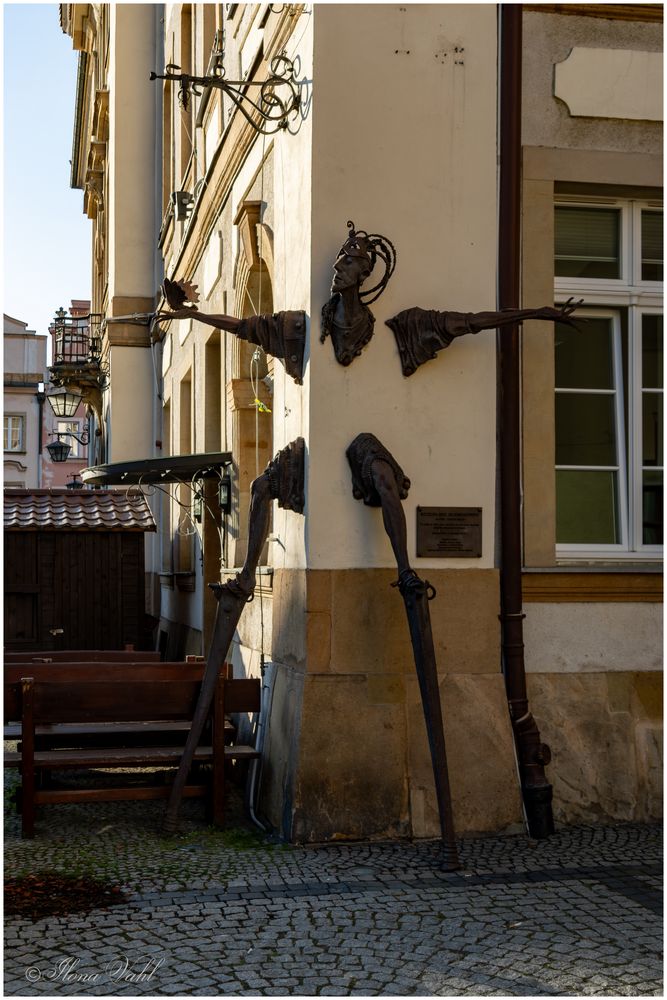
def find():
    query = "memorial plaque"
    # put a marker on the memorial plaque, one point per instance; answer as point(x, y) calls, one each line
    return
point(449, 532)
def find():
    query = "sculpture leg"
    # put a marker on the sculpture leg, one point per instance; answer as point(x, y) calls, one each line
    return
point(282, 480)
point(378, 479)
point(232, 597)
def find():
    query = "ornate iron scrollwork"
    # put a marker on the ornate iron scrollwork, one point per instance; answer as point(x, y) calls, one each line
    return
point(279, 95)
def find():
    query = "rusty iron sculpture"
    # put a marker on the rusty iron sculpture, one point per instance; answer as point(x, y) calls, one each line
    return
point(279, 96)
point(346, 317)
point(378, 480)
point(282, 480)
point(282, 334)
point(421, 333)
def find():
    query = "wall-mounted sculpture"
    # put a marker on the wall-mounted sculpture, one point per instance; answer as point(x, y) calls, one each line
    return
point(282, 334)
point(378, 480)
point(346, 317)
point(282, 480)
point(421, 333)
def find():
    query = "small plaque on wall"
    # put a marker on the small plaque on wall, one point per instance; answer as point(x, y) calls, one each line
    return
point(449, 532)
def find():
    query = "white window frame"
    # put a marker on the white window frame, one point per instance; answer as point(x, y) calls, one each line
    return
point(71, 426)
point(621, 466)
point(21, 450)
point(628, 292)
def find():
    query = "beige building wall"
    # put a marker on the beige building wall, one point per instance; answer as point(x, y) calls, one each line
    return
point(347, 753)
point(403, 143)
point(593, 631)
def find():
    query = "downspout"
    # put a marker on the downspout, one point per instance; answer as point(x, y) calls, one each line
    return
point(532, 754)
point(41, 396)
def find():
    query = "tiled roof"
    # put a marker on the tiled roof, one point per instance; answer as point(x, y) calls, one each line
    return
point(77, 510)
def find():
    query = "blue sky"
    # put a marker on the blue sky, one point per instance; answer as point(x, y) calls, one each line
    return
point(47, 237)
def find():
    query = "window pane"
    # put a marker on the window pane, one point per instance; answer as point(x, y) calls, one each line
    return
point(586, 507)
point(585, 429)
point(587, 242)
point(13, 434)
point(652, 508)
point(584, 357)
point(652, 252)
point(651, 351)
point(652, 428)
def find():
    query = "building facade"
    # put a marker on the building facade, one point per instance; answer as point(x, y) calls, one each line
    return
point(397, 129)
point(24, 370)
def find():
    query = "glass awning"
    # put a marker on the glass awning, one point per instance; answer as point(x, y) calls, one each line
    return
point(147, 471)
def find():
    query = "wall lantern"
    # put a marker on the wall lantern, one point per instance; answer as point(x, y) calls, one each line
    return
point(225, 494)
point(59, 450)
point(279, 95)
point(64, 403)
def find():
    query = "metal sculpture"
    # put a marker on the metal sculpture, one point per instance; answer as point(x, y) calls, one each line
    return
point(279, 94)
point(282, 334)
point(421, 333)
point(379, 481)
point(282, 480)
point(346, 316)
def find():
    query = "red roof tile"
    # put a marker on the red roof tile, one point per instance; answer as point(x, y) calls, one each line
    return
point(77, 510)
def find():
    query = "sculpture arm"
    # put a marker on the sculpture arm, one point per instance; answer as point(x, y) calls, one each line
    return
point(220, 322)
point(491, 320)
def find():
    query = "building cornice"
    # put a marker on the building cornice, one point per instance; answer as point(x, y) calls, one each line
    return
point(651, 12)
point(230, 155)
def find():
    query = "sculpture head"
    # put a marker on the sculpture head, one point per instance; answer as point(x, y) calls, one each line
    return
point(356, 260)
point(350, 323)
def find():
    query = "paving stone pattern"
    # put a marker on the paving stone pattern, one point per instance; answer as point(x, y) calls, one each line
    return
point(233, 913)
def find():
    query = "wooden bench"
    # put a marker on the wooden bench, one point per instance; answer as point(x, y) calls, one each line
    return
point(154, 732)
point(119, 699)
point(83, 655)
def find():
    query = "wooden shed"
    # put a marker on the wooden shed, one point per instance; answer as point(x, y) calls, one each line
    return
point(74, 569)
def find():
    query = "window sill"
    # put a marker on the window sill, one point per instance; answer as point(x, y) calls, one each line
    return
point(593, 585)
point(166, 580)
point(186, 580)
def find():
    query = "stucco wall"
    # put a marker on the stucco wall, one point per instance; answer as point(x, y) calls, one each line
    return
point(548, 39)
point(404, 145)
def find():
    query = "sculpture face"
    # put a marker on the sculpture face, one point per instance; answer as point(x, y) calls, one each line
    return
point(349, 271)
point(346, 317)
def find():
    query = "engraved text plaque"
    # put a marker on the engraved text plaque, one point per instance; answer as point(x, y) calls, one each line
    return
point(449, 532)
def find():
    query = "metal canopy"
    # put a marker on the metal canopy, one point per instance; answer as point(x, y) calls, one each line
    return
point(173, 469)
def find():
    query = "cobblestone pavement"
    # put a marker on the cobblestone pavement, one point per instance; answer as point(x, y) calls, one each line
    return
point(210, 913)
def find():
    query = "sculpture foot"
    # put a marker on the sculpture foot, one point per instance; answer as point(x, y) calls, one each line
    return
point(409, 581)
point(449, 859)
point(234, 588)
point(169, 826)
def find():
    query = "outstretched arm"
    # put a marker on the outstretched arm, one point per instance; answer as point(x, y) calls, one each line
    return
point(230, 323)
point(491, 320)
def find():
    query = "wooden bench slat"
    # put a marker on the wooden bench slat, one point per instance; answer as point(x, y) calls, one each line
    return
point(52, 796)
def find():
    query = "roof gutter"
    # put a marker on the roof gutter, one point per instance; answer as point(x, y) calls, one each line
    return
point(532, 754)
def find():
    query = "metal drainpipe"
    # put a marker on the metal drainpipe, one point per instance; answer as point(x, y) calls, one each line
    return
point(532, 754)
point(41, 396)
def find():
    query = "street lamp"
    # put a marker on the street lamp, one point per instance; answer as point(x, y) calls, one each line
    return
point(59, 450)
point(64, 403)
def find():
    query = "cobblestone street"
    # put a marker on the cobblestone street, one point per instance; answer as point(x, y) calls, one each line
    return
point(217, 914)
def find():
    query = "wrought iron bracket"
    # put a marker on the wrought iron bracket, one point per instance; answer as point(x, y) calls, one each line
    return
point(268, 113)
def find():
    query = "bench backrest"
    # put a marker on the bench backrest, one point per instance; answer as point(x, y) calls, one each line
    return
point(73, 672)
point(85, 655)
point(116, 697)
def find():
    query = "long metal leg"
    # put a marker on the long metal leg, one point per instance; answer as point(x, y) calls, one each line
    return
point(282, 480)
point(379, 481)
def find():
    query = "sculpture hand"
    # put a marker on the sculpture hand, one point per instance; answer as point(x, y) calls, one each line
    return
point(562, 314)
point(185, 312)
